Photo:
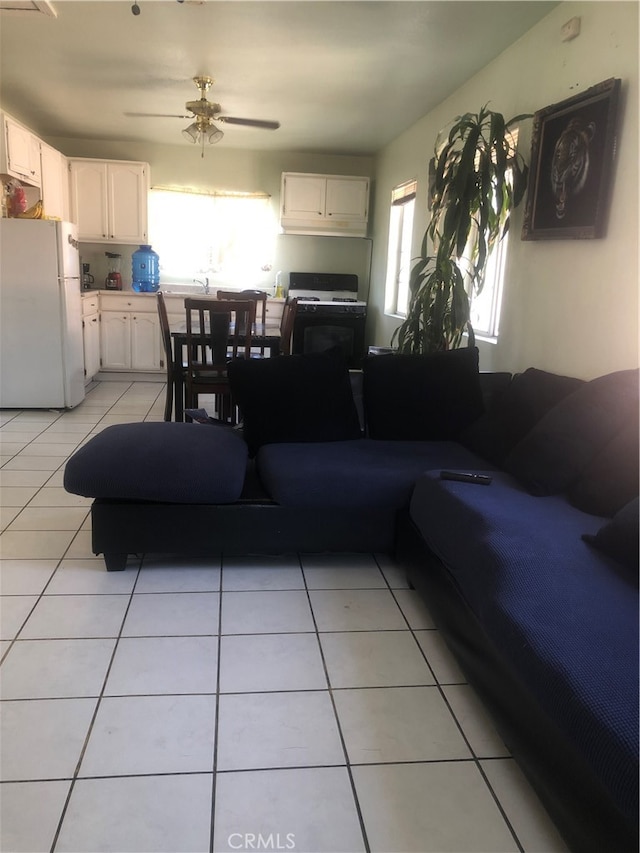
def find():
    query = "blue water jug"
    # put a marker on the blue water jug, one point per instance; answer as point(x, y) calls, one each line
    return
point(145, 270)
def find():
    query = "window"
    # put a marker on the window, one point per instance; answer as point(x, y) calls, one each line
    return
point(232, 234)
point(403, 199)
point(485, 306)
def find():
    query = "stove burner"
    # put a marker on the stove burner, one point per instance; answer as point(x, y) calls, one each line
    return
point(343, 299)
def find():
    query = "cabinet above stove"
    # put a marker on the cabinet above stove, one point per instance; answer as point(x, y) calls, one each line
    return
point(324, 205)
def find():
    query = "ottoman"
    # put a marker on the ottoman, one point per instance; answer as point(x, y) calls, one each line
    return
point(157, 463)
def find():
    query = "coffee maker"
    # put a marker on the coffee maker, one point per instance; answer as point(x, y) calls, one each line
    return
point(87, 278)
point(114, 279)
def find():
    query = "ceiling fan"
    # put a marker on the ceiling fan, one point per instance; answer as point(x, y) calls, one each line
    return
point(203, 113)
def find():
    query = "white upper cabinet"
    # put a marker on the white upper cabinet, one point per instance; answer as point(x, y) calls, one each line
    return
point(109, 200)
point(19, 152)
point(303, 196)
point(55, 182)
point(324, 204)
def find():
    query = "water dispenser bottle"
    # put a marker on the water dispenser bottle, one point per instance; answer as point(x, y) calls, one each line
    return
point(145, 270)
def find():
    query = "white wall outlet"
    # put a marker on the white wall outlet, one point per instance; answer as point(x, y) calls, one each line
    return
point(571, 29)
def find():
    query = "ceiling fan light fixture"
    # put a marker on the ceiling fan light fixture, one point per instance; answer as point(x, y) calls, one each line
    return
point(192, 132)
point(213, 134)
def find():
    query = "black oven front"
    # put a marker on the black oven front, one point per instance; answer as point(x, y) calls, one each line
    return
point(322, 329)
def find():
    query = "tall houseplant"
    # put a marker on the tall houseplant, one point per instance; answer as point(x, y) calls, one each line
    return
point(479, 179)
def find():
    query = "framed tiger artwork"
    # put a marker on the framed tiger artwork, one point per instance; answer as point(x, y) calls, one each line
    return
point(573, 149)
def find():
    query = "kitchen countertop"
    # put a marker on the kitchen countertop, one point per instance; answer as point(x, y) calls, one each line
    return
point(169, 293)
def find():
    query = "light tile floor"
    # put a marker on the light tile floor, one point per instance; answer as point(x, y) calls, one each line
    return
point(300, 703)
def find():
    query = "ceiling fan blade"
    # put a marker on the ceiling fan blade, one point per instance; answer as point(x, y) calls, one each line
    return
point(250, 122)
point(156, 115)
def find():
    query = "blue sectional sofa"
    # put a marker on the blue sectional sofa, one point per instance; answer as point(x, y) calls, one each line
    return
point(533, 579)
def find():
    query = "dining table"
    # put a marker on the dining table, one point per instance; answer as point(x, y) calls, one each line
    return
point(264, 335)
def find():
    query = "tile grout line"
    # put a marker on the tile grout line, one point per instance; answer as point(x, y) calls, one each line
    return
point(214, 769)
point(343, 744)
point(95, 711)
point(100, 697)
point(458, 724)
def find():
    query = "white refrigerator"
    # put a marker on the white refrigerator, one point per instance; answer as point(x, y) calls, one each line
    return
point(41, 350)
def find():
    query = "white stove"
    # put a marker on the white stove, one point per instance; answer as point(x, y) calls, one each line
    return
point(326, 293)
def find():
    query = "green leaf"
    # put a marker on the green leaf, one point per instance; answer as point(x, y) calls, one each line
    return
point(473, 197)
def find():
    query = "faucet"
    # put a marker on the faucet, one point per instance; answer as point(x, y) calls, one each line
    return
point(205, 284)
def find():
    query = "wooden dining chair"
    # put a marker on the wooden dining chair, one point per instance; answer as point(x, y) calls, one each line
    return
point(260, 298)
point(217, 331)
point(176, 367)
point(286, 325)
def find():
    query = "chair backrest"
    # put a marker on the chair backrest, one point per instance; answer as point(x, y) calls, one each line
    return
point(218, 331)
point(286, 325)
point(258, 296)
point(165, 331)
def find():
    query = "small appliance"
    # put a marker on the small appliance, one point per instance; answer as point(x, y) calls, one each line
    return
point(87, 278)
point(114, 279)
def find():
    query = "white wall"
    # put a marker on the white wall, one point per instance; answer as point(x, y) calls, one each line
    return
point(570, 306)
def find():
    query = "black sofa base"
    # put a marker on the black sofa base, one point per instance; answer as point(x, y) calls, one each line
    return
point(120, 528)
point(576, 801)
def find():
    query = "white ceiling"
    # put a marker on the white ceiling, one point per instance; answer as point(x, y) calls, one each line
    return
point(341, 77)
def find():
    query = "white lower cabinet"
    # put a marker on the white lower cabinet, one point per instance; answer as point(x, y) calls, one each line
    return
point(145, 342)
point(115, 340)
point(91, 341)
point(91, 335)
point(130, 336)
point(129, 333)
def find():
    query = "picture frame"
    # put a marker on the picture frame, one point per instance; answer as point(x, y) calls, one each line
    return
point(573, 149)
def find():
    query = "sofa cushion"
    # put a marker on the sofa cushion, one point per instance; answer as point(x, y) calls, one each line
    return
point(422, 397)
point(303, 398)
point(618, 538)
point(551, 457)
point(513, 413)
point(561, 616)
point(166, 462)
point(610, 480)
point(363, 473)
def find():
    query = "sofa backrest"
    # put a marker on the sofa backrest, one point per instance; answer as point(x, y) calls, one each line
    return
point(421, 397)
point(513, 410)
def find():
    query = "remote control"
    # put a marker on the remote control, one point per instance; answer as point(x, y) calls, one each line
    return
point(466, 477)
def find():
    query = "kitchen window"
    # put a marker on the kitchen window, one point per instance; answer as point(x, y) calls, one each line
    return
point(403, 199)
point(197, 234)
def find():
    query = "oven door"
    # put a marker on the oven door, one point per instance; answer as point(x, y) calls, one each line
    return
point(317, 332)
